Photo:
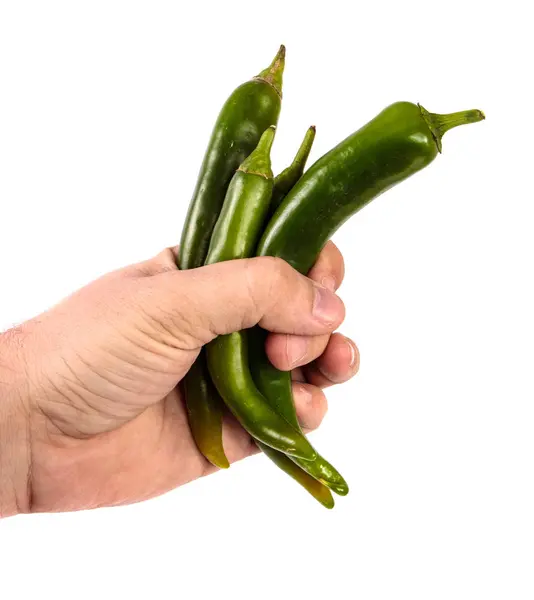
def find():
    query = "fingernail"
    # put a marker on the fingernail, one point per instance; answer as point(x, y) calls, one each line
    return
point(352, 351)
point(325, 305)
point(329, 283)
point(296, 348)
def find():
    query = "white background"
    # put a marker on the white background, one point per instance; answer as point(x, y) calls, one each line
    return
point(105, 111)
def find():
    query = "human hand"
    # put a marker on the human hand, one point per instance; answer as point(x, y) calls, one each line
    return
point(106, 421)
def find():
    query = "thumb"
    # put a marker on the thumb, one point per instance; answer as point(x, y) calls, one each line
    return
point(200, 304)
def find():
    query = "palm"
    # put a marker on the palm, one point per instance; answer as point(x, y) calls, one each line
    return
point(118, 433)
point(144, 457)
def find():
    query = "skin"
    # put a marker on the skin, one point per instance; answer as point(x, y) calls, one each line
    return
point(90, 414)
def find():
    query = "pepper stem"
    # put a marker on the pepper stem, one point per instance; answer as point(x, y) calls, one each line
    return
point(440, 124)
point(299, 162)
point(273, 74)
point(285, 180)
point(259, 161)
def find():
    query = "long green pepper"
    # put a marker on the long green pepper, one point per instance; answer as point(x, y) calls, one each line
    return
point(235, 236)
point(248, 112)
point(274, 384)
point(401, 140)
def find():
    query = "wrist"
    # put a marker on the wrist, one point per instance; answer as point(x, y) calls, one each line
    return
point(15, 450)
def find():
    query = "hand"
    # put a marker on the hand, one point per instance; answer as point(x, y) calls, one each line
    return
point(107, 425)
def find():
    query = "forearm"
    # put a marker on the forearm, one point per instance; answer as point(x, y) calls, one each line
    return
point(15, 447)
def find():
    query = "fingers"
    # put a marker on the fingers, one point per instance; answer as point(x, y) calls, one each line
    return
point(329, 269)
point(166, 260)
point(311, 405)
point(336, 357)
point(338, 363)
point(175, 252)
point(234, 295)
point(289, 351)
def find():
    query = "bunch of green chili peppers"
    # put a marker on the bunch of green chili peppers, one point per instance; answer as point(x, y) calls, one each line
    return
point(240, 210)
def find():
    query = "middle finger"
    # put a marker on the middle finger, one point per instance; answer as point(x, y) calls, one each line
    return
point(289, 351)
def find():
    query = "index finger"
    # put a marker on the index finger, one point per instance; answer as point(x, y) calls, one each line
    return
point(329, 268)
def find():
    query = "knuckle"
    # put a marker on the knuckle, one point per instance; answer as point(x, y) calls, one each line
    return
point(276, 268)
point(318, 345)
point(253, 278)
point(268, 275)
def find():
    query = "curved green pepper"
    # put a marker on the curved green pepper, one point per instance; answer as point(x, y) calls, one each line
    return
point(314, 487)
point(250, 109)
point(235, 236)
point(276, 386)
point(204, 409)
point(401, 140)
point(248, 112)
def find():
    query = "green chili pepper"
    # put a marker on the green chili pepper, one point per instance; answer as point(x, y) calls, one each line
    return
point(204, 408)
point(314, 487)
point(400, 141)
point(250, 109)
point(235, 236)
point(248, 112)
point(276, 386)
point(285, 180)
point(397, 143)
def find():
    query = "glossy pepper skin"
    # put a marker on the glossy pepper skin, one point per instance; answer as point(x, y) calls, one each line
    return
point(228, 366)
point(204, 409)
point(311, 485)
point(248, 112)
point(276, 386)
point(401, 140)
point(250, 109)
point(235, 236)
point(287, 178)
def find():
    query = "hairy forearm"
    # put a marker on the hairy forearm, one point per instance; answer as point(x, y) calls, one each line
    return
point(15, 447)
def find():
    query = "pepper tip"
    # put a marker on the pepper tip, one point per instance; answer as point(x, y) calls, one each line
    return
point(273, 74)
